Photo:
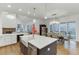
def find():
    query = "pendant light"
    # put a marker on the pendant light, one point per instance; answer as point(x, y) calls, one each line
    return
point(55, 21)
point(33, 26)
point(34, 14)
point(45, 11)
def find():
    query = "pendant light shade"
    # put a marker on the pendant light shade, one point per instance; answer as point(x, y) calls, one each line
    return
point(34, 20)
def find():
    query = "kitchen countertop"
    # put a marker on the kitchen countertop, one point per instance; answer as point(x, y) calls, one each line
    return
point(18, 33)
point(26, 38)
point(7, 34)
point(42, 42)
point(38, 41)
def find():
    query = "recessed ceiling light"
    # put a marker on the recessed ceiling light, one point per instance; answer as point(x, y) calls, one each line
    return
point(28, 12)
point(9, 6)
point(19, 9)
point(10, 16)
point(45, 17)
point(34, 20)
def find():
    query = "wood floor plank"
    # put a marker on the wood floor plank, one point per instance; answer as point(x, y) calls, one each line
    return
point(71, 48)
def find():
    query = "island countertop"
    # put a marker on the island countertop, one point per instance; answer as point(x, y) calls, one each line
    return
point(41, 42)
point(38, 41)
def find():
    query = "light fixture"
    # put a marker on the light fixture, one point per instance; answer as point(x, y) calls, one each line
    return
point(28, 12)
point(34, 20)
point(45, 11)
point(10, 16)
point(54, 22)
point(9, 6)
point(34, 11)
point(34, 14)
point(45, 17)
point(19, 9)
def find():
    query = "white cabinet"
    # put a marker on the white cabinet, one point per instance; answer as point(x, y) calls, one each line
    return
point(1, 41)
point(7, 39)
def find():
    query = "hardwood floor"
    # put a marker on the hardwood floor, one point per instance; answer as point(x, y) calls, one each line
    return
point(67, 48)
point(10, 50)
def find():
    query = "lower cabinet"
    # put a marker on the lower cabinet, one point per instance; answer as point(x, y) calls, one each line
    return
point(32, 50)
point(7, 39)
point(48, 50)
point(23, 49)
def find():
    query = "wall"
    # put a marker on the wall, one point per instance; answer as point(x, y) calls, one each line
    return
point(9, 22)
point(0, 26)
point(68, 19)
point(37, 23)
point(29, 21)
point(19, 19)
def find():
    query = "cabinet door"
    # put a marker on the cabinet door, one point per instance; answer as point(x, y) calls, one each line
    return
point(2, 41)
point(13, 39)
point(10, 39)
point(32, 50)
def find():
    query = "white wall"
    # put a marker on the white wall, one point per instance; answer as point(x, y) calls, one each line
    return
point(0, 25)
point(37, 23)
point(12, 23)
point(68, 19)
point(29, 21)
point(8, 22)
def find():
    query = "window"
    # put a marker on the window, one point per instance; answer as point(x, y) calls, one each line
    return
point(50, 28)
point(71, 29)
point(63, 28)
point(29, 28)
point(66, 28)
point(19, 28)
point(54, 28)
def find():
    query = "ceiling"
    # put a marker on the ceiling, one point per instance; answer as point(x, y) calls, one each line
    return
point(42, 9)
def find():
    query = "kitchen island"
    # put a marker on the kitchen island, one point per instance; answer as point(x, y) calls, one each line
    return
point(39, 45)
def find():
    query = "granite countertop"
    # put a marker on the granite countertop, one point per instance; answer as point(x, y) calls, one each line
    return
point(18, 33)
point(38, 41)
point(26, 38)
point(7, 34)
point(42, 42)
